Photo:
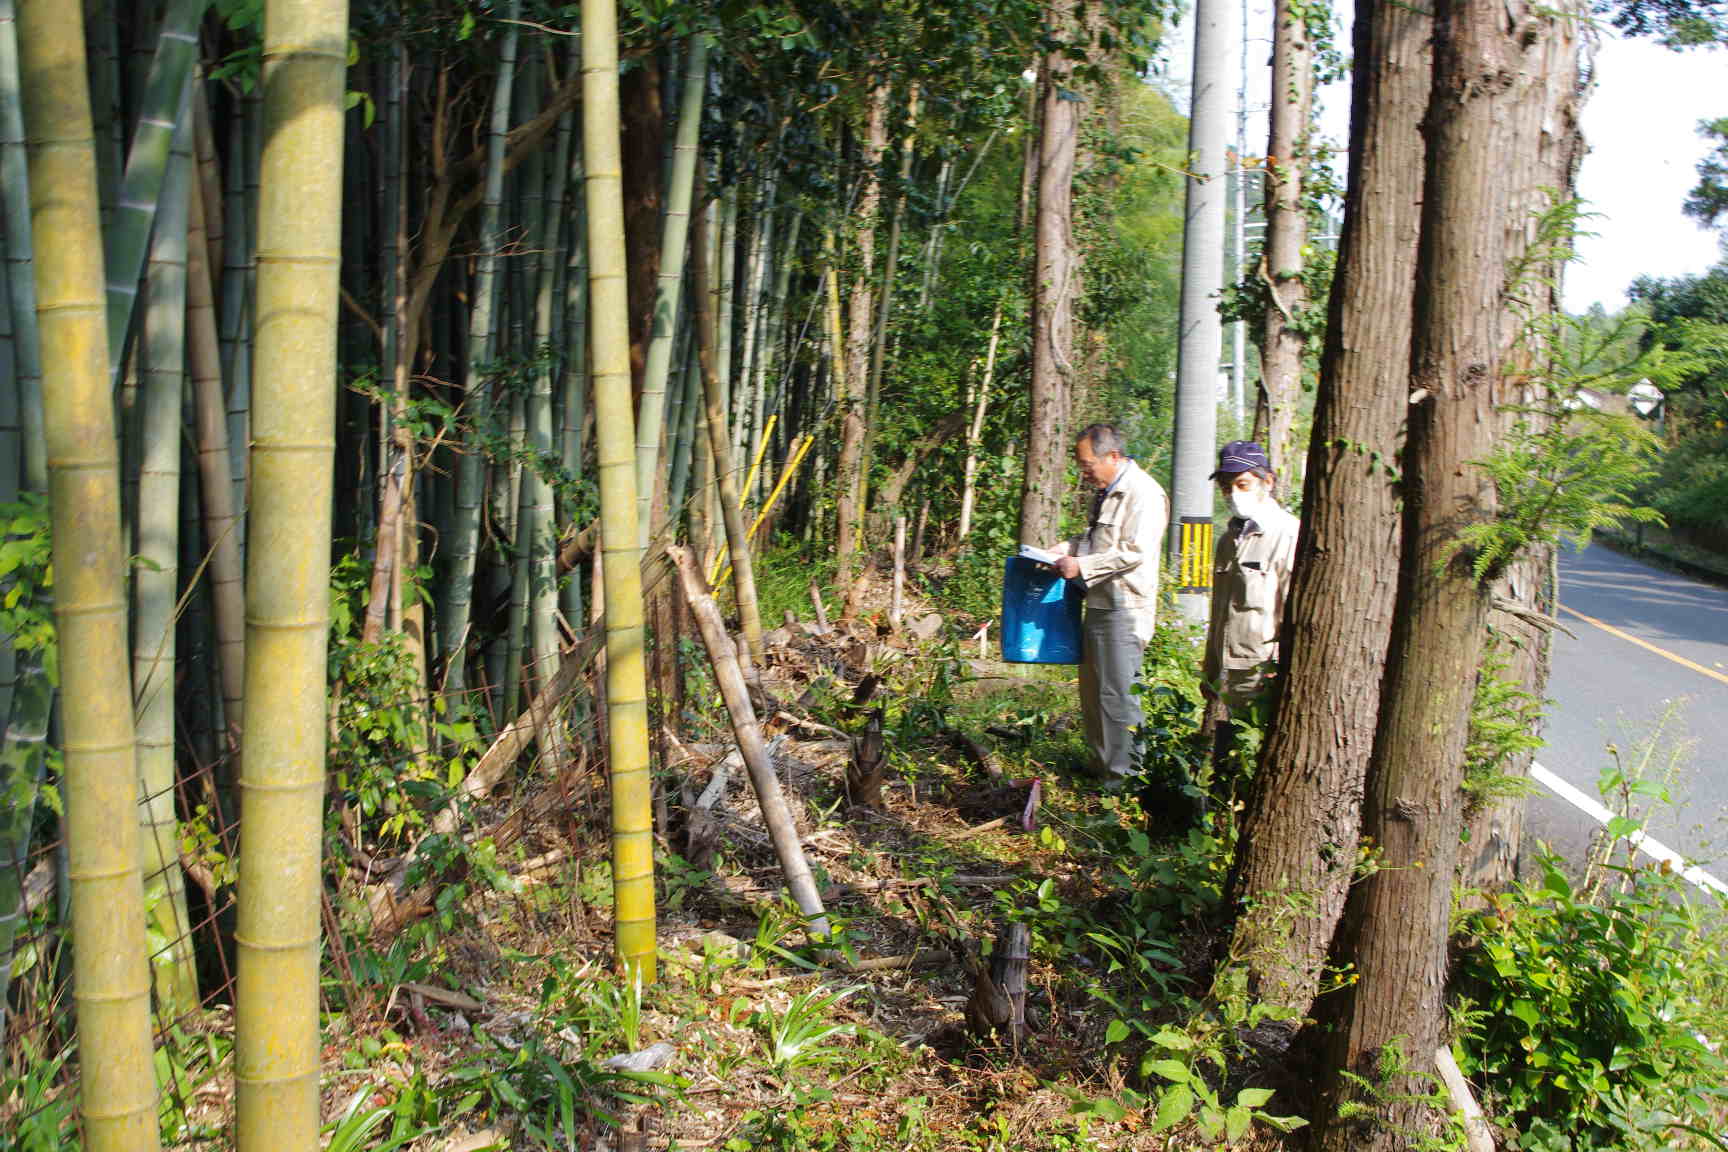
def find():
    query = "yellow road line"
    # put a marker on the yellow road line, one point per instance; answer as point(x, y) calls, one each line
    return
point(1645, 644)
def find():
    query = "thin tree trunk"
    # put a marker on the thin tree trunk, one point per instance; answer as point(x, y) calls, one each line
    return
point(1053, 278)
point(1282, 344)
point(848, 512)
point(276, 1047)
point(975, 433)
point(156, 586)
point(1413, 799)
point(1299, 833)
point(743, 570)
point(879, 341)
point(626, 696)
point(111, 976)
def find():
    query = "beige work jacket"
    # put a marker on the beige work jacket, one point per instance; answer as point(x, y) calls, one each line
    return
point(1250, 583)
point(1119, 552)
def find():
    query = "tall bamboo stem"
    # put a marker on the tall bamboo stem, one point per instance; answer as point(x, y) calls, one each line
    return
point(471, 469)
point(156, 586)
point(146, 166)
point(726, 478)
point(626, 681)
point(221, 521)
point(111, 977)
point(276, 1049)
point(669, 284)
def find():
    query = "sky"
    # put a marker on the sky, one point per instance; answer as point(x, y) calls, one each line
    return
point(1640, 123)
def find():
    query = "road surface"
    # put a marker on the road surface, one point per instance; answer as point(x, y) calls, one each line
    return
point(1646, 644)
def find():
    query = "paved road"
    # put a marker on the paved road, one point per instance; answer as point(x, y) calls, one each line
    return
point(1667, 652)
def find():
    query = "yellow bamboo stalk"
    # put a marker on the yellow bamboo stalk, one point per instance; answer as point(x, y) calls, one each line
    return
point(276, 1045)
point(111, 976)
point(615, 444)
point(749, 486)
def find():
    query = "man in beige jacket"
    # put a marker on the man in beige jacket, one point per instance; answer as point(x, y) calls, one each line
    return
point(1117, 559)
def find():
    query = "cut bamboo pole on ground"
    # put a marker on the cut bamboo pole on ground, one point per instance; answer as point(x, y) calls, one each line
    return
point(775, 812)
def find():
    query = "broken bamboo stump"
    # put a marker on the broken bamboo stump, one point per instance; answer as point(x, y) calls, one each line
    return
point(769, 795)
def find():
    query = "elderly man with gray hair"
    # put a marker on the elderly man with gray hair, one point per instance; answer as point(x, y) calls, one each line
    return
point(1117, 560)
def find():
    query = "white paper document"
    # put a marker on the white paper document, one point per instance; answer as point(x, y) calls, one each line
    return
point(1039, 554)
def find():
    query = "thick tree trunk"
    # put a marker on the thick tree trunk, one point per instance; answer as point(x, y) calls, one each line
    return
point(1282, 344)
point(857, 345)
point(1546, 163)
point(1487, 57)
point(1299, 833)
point(1052, 299)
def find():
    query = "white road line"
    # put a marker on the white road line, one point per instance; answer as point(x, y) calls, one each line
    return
point(1649, 845)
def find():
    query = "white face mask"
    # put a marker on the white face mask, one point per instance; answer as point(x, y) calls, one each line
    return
point(1246, 504)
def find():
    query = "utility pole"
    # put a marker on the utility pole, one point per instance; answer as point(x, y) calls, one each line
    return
point(1200, 332)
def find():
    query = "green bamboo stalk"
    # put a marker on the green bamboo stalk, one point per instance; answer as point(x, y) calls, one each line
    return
point(726, 254)
point(530, 184)
point(542, 535)
point(23, 757)
point(156, 584)
point(21, 288)
point(732, 515)
point(215, 472)
point(22, 751)
point(626, 681)
point(761, 250)
point(108, 123)
point(669, 285)
point(111, 976)
point(471, 468)
point(239, 269)
point(127, 241)
point(573, 406)
point(276, 1049)
point(689, 380)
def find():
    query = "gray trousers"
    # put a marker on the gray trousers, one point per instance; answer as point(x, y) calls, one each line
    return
point(1113, 646)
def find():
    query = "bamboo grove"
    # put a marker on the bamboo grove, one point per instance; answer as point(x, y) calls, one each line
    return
point(433, 331)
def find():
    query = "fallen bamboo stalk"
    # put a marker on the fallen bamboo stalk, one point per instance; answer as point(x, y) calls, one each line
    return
point(769, 795)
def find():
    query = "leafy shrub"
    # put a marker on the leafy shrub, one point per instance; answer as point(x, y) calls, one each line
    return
point(1595, 1022)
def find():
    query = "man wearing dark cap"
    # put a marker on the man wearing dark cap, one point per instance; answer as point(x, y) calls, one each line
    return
point(1250, 581)
point(1117, 560)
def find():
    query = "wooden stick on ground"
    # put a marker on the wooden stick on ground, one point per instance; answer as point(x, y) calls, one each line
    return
point(769, 795)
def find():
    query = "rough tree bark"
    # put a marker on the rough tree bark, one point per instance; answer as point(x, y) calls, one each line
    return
point(1488, 59)
point(1282, 345)
point(1052, 297)
point(1299, 832)
point(857, 348)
